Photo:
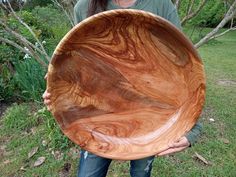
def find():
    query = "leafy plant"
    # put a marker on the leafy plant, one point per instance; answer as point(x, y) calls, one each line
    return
point(24, 78)
point(209, 16)
point(7, 56)
point(6, 87)
point(30, 4)
point(29, 78)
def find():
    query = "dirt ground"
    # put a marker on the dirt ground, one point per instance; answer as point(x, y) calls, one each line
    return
point(225, 82)
point(3, 107)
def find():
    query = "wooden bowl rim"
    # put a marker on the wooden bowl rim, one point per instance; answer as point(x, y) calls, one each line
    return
point(145, 14)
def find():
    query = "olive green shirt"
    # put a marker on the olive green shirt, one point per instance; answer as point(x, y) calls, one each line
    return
point(163, 8)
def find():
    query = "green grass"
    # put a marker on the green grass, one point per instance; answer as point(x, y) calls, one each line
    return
point(18, 118)
point(24, 127)
point(219, 58)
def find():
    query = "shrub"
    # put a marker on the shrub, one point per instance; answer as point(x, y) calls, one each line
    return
point(19, 77)
point(29, 79)
point(6, 85)
point(30, 4)
point(211, 14)
point(7, 56)
point(54, 25)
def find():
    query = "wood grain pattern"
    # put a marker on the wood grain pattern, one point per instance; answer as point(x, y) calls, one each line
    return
point(125, 83)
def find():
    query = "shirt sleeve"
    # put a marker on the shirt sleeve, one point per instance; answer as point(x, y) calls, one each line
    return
point(77, 14)
point(194, 133)
point(171, 14)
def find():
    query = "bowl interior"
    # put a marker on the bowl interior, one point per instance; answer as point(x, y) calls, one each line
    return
point(125, 83)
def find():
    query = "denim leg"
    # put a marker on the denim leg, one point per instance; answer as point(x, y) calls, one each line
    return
point(92, 165)
point(141, 167)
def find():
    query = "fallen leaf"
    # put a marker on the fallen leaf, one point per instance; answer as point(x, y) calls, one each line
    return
point(226, 141)
point(212, 120)
point(3, 147)
point(22, 168)
point(2, 150)
point(39, 161)
point(25, 133)
point(57, 155)
point(44, 143)
point(6, 162)
point(33, 130)
point(225, 82)
point(33, 151)
point(201, 158)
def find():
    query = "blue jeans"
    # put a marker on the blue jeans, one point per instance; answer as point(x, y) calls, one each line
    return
point(92, 165)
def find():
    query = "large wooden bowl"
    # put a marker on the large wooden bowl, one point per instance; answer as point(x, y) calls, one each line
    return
point(125, 83)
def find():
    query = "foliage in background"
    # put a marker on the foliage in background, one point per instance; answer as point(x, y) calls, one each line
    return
point(6, 73)
point(10, 58)
point(29, 79)
point(210, 15)
point(49, 25)
point(53, 24)
point(30, 4)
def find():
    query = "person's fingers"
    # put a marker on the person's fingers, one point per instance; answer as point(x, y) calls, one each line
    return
point(49, 108)
point(165, 149)
point(46, 75)
point(182, 142)
point(47, 102)
point(177, 146)
point(46, 95)
point(171, 150)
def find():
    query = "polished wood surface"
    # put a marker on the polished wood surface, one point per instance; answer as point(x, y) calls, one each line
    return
point(125, 83)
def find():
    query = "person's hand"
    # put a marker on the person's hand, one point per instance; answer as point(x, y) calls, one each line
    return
point(46, 97)
point(177, 146)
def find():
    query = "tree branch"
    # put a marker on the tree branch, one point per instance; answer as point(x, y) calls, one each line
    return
point(14, 44)
point(191, 7)
point(177, 4)
point(213, 34)
point(71, 19)
point(21, 38)
point(30, 30)
point(221, 34)
point(191, 13)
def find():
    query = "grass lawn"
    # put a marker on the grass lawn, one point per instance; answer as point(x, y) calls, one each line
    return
point(26, 126)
